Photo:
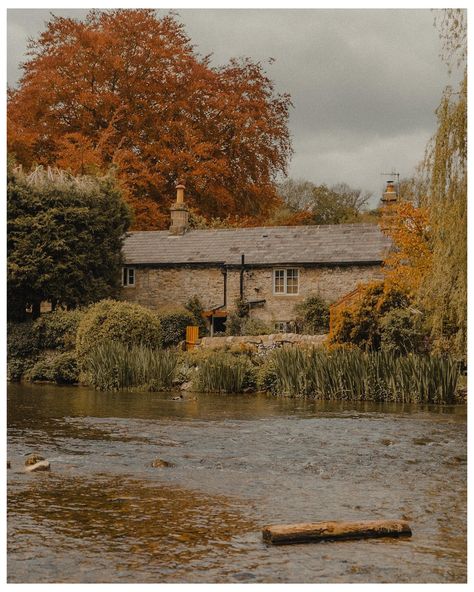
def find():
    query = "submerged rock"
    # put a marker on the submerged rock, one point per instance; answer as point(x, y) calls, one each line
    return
point(423, 441)
point(159, 463)
point(42, 465)
point(33, 459)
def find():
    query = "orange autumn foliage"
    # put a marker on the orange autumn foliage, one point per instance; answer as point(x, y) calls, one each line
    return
point(355, 319)
point(410, 260)
point(126, 89)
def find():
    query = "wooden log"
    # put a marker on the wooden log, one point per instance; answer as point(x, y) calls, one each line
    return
point(282, 534)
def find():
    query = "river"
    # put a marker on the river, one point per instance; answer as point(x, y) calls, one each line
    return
point(103, 514)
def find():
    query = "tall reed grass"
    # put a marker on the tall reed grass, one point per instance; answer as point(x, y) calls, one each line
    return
point(357, 375)
point(224, 372)
point(112, 366)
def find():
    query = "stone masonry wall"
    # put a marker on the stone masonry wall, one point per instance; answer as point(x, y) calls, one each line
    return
point(167, 288)
point(331, 283)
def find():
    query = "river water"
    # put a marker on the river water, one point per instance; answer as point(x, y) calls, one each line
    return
point(104, 514)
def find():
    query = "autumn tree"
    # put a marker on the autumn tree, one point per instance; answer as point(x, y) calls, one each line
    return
point(125, 88)
point(409, 261)
point(64, 239)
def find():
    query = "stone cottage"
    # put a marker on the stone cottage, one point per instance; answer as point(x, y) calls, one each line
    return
point(270, 268)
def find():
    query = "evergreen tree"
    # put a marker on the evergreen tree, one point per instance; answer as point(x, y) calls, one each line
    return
point(64, 239)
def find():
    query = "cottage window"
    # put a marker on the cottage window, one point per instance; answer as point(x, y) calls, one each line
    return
point(128, 276)
point(285, 281)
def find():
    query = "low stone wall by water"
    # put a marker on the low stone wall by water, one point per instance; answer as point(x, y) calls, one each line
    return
point(260, 342)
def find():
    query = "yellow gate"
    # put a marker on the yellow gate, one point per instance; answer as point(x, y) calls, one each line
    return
point(192, 335)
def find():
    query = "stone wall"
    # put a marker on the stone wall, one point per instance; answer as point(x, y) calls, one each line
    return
point(260, 342)
point(167, 288)
point(331, 283)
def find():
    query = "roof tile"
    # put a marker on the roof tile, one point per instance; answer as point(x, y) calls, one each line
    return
point(329, 244)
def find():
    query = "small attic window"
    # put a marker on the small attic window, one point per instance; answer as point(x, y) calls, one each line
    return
point(128, 277)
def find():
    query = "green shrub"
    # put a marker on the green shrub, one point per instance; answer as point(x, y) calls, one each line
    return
point(173, 326)
point(17, 367)
point(22, 341)
point(195, 307)
point(121, 322)
point(233, 325)
point(359, 322)
point(22, 349)
point(401, 331)
point(58, 367)
point(65, 369)
point(312, 316)
point(255, 327)
point(112, 366)
point(57, 329)
point(267, 374)
point(42, 370)
point(224, 372)
point(237, 318)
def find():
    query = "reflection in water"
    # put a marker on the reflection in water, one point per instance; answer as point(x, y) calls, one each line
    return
point(153, 530)
point(105, 515)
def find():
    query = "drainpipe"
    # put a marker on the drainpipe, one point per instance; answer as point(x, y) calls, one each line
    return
point(224, 274)
point(242, 268)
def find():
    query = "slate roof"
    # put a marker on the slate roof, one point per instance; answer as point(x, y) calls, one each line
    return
point(276, 245)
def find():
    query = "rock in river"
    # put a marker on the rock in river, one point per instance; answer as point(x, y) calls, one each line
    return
point(159, 463)
point(33, 459)
point(42, 465)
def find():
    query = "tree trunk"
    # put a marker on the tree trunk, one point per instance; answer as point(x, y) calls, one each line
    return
point(36, 309)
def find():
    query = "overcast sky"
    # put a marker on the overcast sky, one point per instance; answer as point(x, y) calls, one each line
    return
point(364, 83)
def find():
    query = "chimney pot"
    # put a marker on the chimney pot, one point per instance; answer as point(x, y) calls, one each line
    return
point(390, 196)
point(180, 193)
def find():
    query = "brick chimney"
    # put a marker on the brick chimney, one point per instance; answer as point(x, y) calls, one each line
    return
point(390, 196)
point(179, 213)
point(389, 199)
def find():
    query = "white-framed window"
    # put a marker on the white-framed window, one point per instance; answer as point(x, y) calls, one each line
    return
point(286, 281)
point(128, 277)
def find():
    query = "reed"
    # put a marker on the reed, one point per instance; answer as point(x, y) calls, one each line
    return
point(357, 375)
point(224, 372)
point(113, 366)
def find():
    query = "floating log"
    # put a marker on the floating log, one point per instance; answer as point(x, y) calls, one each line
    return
point(282, 534)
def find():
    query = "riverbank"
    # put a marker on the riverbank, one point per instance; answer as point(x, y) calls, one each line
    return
point(90, 347)
point(300, 372)
point(296, 371)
